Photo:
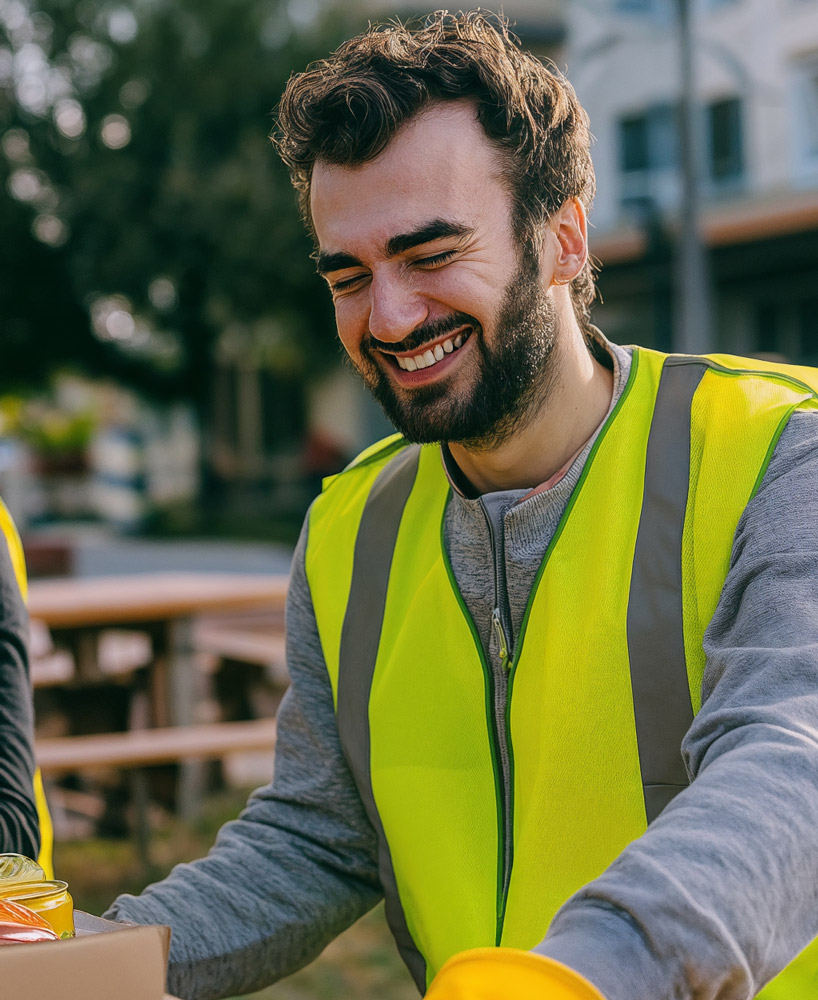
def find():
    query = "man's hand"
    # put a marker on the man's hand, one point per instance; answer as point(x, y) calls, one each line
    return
point(508, 974)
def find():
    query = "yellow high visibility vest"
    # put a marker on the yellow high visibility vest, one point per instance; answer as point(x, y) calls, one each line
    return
point(604, 680)
point(9, 533)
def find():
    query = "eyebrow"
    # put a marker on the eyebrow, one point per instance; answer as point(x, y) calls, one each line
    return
point(438, 229)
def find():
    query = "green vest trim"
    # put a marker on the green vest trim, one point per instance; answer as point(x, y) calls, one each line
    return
point(591, 761)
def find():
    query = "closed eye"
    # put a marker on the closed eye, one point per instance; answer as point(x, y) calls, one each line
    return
point(431, 262)
point(435, 259)
point(344, 283)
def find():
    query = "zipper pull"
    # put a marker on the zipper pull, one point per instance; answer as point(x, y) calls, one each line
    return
point(500, 632)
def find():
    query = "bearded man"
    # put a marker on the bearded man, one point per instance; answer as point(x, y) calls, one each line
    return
point(554, 646)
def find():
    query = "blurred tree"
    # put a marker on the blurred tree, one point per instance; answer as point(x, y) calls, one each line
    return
point(145, 216)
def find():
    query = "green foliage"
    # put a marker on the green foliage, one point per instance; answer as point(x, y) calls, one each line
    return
point(55, 432)
point(145, 214)
point(48, 428)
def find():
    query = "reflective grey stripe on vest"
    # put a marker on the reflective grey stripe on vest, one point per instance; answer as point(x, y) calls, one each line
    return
point(661, 694)
point(360, 637)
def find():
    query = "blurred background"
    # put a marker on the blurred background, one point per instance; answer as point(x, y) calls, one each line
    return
point(171, 390)
point(167, 358)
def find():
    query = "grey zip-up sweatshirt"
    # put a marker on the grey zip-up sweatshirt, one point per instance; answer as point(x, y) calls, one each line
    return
point(710, 903)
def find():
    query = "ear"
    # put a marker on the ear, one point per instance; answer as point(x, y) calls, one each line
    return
point(570, 227)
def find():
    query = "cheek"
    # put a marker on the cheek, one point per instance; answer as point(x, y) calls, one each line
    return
point(351, 324)
point(463, 290)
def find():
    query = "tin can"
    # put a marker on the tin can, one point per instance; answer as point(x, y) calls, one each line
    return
point(51, 899)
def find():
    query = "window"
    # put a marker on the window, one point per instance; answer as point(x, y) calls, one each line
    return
point(634, 151)
point(639, 6)
point(656, 12)
point(649, 155)
point(788, 329)
point(806, 111)
point(650, 140)
point(725, 140)
point(767, 333)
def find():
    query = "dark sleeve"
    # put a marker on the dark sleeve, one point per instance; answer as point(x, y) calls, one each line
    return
point(19, 827)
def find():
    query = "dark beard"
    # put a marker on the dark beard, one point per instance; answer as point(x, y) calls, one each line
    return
point(512, 379)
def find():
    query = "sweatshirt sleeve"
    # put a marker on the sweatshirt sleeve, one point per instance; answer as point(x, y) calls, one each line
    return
point(19, 826)
point(295, 869)
point(721, 892)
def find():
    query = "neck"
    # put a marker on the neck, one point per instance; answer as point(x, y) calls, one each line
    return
point(575, 405)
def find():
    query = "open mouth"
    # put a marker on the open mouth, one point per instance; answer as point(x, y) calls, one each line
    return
point(431, 355)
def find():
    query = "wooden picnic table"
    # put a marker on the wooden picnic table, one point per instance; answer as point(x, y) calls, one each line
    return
point(164, 605)
point(140, 598)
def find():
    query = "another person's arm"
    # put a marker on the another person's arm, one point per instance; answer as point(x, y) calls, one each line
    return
point(296, 868)
point(19, 827)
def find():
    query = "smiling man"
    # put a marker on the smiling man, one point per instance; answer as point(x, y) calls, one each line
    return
point(554, 645)
point(448, 302)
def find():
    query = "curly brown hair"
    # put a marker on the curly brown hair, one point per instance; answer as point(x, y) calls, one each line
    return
point(345, 109)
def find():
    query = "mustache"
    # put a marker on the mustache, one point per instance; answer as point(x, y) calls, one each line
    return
point(423, 334)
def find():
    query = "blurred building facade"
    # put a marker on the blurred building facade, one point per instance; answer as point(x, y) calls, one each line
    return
point(340, 413)
point(756, 92)
point(268, 432)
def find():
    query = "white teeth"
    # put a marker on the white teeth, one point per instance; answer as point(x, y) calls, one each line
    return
point(431, 356)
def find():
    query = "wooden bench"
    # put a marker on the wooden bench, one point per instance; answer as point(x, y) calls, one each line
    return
point(263, 647)
point(146, 747)
point(141, 748)
point(245, 663)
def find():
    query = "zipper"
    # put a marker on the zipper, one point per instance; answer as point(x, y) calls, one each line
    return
point(502, 640)
point(493, 510)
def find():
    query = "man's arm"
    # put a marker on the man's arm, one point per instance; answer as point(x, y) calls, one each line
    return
point(19, 827)
point(722, 890)
point(295, 869)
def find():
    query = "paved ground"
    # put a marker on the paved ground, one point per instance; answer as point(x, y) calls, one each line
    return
point(97, 552)
point(114, 556)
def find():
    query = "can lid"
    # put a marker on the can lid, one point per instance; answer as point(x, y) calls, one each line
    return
point(19, 868)
point(32, 890)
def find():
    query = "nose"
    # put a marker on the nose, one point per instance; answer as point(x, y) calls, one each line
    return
point(395, 308)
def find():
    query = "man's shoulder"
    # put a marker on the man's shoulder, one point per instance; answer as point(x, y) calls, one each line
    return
point(797, 448)
point(380, 451)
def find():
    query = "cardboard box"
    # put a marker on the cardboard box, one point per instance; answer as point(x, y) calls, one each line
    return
point(122, 962)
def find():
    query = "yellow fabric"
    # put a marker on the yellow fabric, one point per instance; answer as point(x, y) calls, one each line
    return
point(576, 794)
point(46, 855)
point(747, 410)
point(576, 768)
point(437, 761)
point(343, 497)
point(508, 974)
point(15, 547)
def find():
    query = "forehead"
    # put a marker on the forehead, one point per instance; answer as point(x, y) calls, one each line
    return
point(439, 165)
